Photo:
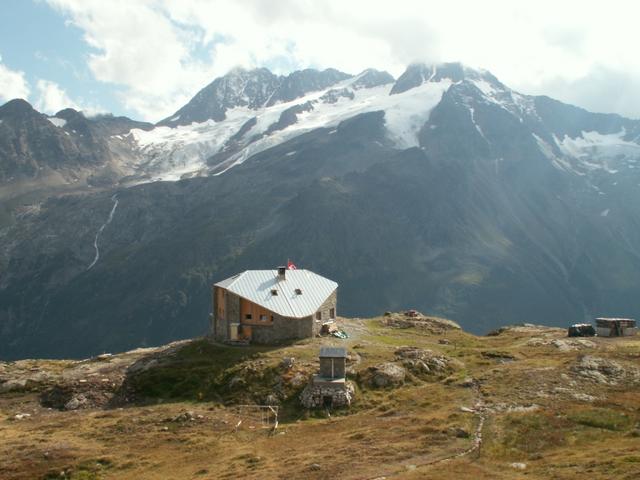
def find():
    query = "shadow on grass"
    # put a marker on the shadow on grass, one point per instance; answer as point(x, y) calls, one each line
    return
point(198, 371)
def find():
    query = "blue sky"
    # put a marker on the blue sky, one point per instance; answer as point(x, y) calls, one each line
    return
point(146, 58)
point(37, 40)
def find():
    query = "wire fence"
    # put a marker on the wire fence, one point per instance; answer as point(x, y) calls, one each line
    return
point(257, 416)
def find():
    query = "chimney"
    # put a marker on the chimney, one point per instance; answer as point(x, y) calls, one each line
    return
point(282, 273)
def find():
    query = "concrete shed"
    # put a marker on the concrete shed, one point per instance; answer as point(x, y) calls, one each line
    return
point(616, 327)
point(330, 388)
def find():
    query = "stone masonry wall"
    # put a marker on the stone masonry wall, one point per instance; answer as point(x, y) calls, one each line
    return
point(329, 303)
point(282, 329)
point(341, 396)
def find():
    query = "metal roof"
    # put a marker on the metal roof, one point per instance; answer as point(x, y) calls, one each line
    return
point(615, 320)
point(257, 285)
point(333, 352)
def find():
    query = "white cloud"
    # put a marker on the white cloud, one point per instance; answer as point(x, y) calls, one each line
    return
point(139, 48)
point(51, 98)
point(12, 84)
point(161, 51)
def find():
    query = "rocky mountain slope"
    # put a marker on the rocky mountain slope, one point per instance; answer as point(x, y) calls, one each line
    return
point(431, 401)
point(443, 190)
point(38, 152)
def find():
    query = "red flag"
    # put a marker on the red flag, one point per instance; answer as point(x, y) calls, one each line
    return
point(290, 265)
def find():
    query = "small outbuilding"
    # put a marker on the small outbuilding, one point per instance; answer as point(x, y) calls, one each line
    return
point(333, 362)
point(616, 327)
point(329, 388)
point(581, 330)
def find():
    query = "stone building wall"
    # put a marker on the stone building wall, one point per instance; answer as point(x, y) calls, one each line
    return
point(282, 329)
point(314, 394)
point(329, 303)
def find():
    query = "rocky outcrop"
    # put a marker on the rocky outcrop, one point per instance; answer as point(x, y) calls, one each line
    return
point(414, 319)
point(423, 362)
point(563, 344)
point(384, 375)
point(604, 371)
point(78, 395)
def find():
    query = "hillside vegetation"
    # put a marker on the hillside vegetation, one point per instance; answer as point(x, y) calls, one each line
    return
point(524, 402)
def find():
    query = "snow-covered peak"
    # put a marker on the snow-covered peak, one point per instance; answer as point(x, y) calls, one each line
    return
point(212, 147)
point(418, 73)
point(254, 118)
point(238, 88)
point(371, 78)
point(253, 89)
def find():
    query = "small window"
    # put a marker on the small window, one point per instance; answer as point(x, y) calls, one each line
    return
point(318, 315)
point(272, 318)
point(248, 316)
point(264, 318)
point(332, 313)
point(298, 291)
point(274, 292)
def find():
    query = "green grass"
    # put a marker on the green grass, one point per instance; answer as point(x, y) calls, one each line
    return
point(199, 371)
point(604, 418)
point(527, 434)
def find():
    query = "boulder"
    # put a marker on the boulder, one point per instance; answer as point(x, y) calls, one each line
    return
point(469, 382)
point(76, 402)
point(287, 363)
point(298, 379)
point(13, 385)
point(385, 375)
point(353, 358)
point(188, 416)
